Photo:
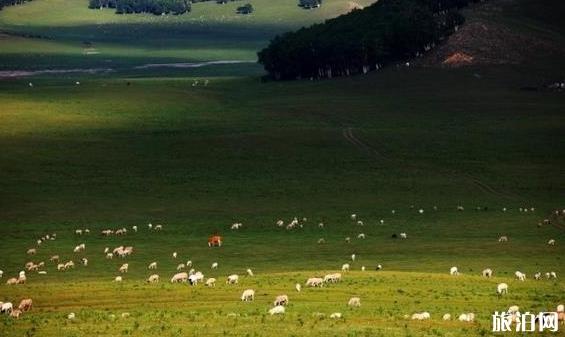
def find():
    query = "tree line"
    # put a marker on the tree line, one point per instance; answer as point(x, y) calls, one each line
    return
point(5, 3)
point(363, 40)
point(157, 7)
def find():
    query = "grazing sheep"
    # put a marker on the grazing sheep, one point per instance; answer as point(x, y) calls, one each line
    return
point(232, 279)
point(181, 266)
point(278, 310)
point(179, 277)
point(321, 225)
point(298, 287)
point(420, 316)
point(195, 278)
point(214, 265)
point(468, 317)
point(118, 279)
point(109, 256)
point(446, 317)
point(211, 282)
point(345, 267)
point(134, 228)
point(453, 271)
point(6, 308)
point(362, 268)
point(71, 316)
point(188, 263)
point(236, 225)
point(360, 223)
point(513, 309)
point(487, 273)
point(332, 278)
point(280, 223)
point(537, 276)
point(354, 302)
point(158, 227)
point(421, 211)
point(21, 280)
point(249, 272)
point(378, 267)
point(503, 238)
point(336, 315)
point(174, 255)
point(520, 276)
point(54, 258)
point(42, 272)
point(1, 274)
point(84, 261)
point(321, 241)
point(361, 236)
point(353, 256)
point(348, 240)
point(551, 242)
point(354, 217)
point(25, 304)
point(281, 300)
point(502, 288)
point(153, 278)
point(403, 236)
point(315, 282)
point(552, 274)
point(248, 295)
point(31, 251)
point(152, 265)
point(16, 313)
point(124, 268)
point(61, 267)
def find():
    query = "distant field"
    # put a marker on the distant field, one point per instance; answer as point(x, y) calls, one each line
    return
point(209, 32)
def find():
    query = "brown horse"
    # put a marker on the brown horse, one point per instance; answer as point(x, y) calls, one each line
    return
point(215, 240)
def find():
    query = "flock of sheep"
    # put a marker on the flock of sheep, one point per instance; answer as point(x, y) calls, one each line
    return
point(194, 277)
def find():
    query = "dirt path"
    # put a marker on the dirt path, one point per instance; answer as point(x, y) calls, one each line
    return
point(4, 74)
point(350, 136)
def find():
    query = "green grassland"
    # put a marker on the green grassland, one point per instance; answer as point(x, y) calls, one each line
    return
point(128, 148)
point(107, 154)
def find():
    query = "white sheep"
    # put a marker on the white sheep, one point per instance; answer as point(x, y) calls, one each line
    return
point(109, 256)
point(6, 307)
point(446, 317)
point(118, 279)
point(321, 225)
point(336, 315)
point(181, 266)
point(211, 282)
point(537, 276)
point(467, 317)
point(332, 278)
point(420, 316)
point(84, 261)
point(502, 288)
point(179, 277)
point(214, 265)
point(361, 236)
point(248, 295)
point(453, 271)
point(487, 273)
point(520, 276)
point(278, 310)
point(360, 223)
point(153, 278)
point(152, 265)
point(281, 300)
point(353, 217)
point(315, 282)
point(353, 256)
point(134, 228)
point(551, 242)
point(298, 287)
point(503, 238)
point(403, 236)
point(232, 279)
point(345, 267)
point(354, 302)
point(175, 255)
point(71, 316)
point(249, 272)
point(124, 268)
point(1, 274)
